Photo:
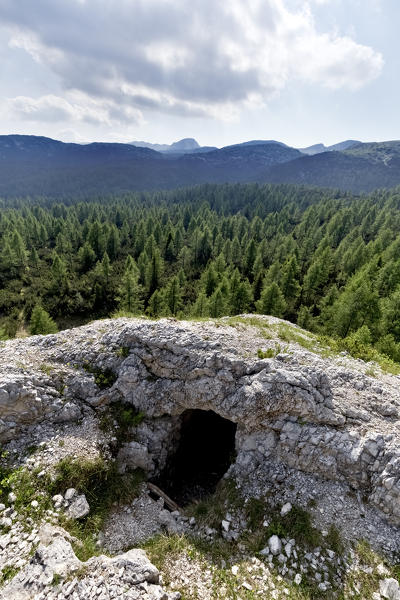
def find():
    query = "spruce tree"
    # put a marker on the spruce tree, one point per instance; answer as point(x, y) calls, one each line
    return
point(41, 322)
point(173, 296)
point(201, 308)
point(130, 292)
point(157, 305)
point(272, 301)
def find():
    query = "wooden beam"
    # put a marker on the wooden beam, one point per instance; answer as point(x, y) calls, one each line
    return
point(170, 503)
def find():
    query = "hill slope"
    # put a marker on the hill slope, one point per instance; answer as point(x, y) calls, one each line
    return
point(359, 170)
point(32, 166)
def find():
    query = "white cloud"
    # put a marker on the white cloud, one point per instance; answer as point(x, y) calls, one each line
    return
point(75, 107)
point(115, 60)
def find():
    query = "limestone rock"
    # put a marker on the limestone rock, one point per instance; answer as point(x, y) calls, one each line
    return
point(286, 508)
point(56, 563)
point(275, 545)
point(69, 494)
point(78, 508)
point(135, 456)
point(297, 412)
point(390, 589)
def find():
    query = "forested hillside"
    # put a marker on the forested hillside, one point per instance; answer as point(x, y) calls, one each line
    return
point(38, 166)
point(329, 262)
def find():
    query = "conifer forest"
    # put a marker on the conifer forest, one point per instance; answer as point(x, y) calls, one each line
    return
point(328, 261)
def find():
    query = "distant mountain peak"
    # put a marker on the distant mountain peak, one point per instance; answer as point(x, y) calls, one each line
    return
point(318, 148)
point(183, 145)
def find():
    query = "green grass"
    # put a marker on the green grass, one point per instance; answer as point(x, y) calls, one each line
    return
point(99, 481)
point(123, 351)
point(212, 510)
point(320, 344)
point(269, 353)
point(102, 485)
point(334, 540)
point(260, 323)
point(28, 487)
point(104, 378)
point(7, 573)
point(45, 368)
point(125, 415)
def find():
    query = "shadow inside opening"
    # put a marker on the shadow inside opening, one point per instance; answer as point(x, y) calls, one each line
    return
point(205, 450)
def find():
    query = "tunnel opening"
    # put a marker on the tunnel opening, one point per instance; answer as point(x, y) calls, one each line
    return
point(205, 451)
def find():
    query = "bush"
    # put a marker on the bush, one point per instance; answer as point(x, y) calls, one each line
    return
point(104, 378)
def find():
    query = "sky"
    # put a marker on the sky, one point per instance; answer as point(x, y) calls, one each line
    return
point(223, 72)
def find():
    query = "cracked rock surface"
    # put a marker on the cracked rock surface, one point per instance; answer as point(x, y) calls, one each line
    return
point(309, 427)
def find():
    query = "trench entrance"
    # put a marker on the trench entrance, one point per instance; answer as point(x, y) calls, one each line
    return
point(205, 450)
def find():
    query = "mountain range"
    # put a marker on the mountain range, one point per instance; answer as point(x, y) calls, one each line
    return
point(33, 165)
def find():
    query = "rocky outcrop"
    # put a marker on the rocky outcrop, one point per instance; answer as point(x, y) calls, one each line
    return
point(311, 415)
point(55, 572)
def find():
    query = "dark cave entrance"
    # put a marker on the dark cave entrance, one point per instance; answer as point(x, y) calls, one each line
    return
point(206, 449)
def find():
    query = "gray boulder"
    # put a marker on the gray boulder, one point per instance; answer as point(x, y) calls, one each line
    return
point(78, 508)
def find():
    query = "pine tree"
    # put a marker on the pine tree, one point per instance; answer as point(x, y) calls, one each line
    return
point(249, 260)
point(18, 249)
point(34, 258)
point(317, 276)
point(41, 322)
point(157, 304)
point(240, 294)
point(113, 243)
point(391, 315)
point(356, 306)
point(305, 318)
point(173, 296)
point(272, 301)
point(170, 248)
point(153, 272)
point(59, 271)
point(106, 267)
point(86, 257)
point(96, 239)
point(217, 304)
point(201, 308)
point(209, 280)
point(130, 292)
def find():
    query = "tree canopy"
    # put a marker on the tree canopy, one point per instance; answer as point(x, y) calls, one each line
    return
point(327, 260)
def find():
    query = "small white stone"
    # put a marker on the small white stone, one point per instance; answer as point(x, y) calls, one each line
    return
point(12, 497)
point(225, 525)
point(297, 579)
point(286, 508)
point(382, 570)
point(288, 550)
point(34, 503)
point(235, 570)
point(247, 586)
point(69, 494)
point(323, 587)
point(275, 545)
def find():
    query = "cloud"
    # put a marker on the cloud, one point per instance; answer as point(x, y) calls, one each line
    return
point(74, 107)
point(193, 59)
